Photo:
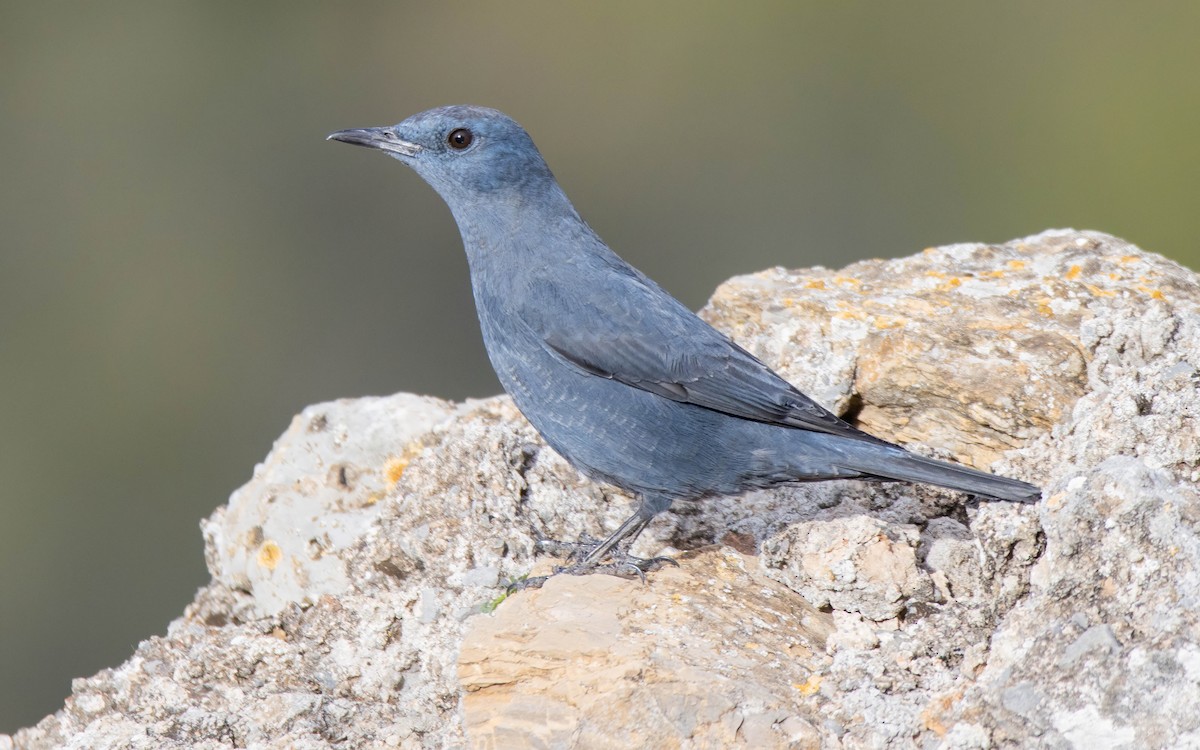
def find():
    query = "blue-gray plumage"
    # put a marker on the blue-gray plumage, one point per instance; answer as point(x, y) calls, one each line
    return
point(618, 376)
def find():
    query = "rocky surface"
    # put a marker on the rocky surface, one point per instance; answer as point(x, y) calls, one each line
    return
point(355, 599)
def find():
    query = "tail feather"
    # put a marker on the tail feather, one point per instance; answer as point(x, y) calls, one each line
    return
point(899, 464)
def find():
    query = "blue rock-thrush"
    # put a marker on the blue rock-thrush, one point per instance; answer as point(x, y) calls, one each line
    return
point(618, 376)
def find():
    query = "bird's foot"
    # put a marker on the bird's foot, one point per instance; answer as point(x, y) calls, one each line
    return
point(622, 565)
point(616, 563)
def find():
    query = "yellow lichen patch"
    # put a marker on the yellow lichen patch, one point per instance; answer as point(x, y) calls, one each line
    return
point(952, 283)
point(1016, 265)
point(279, 633)
point(889, 321)
point(846, 280)
point(1074, 271)
point(394, 468)
point(935, 274)
point(997, 274)
point(809, 686)
point(269, 555)
point(1099, 292)
point(1043, 306)
point(1154, 293)
point(931, 717)
point(814, 284)
point(1114, 276)
point(1130, 258)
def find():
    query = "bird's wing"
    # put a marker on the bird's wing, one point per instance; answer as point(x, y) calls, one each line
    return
point(653, 342)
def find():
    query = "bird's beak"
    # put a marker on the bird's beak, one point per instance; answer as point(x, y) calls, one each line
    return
point(384, 139)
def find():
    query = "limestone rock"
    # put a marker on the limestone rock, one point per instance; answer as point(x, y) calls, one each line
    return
point(855, 564)
point(354, 576)
point(713, 652)
point(279, 537)
point(971, 348)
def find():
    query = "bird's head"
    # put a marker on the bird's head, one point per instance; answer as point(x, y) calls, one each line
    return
point(462, 151)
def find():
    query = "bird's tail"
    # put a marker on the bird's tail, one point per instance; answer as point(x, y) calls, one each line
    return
point(895, 463)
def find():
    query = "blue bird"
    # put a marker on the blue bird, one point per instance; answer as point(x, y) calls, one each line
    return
point(619, 377)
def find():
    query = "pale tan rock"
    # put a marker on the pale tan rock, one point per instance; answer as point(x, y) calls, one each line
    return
point(317, 493)
point(954, 559)
point(709, 654)
point(855, 564)
point(1071, 622)
point(970, 348)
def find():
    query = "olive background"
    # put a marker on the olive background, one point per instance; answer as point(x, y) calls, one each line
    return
point(186, 263)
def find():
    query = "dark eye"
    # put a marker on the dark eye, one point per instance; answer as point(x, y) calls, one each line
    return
point(460, 138)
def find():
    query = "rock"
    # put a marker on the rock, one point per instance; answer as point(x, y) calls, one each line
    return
point(713, 652)
point(282, 537)
point(354, 599)
point(974, 349)
point(855, 564)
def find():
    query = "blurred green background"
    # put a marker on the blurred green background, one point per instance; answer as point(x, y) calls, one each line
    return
point(186, 263)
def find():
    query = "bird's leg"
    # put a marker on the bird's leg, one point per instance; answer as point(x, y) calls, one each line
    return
point(587, 555)
point(618, 543)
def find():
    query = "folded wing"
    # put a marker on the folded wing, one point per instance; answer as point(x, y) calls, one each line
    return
point(653, 342)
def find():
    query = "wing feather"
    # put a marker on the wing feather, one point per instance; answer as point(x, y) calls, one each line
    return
point(653, 342)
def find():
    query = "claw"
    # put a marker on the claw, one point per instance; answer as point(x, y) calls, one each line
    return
point(619, 564)
point(610, 556)
point(616, 562)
